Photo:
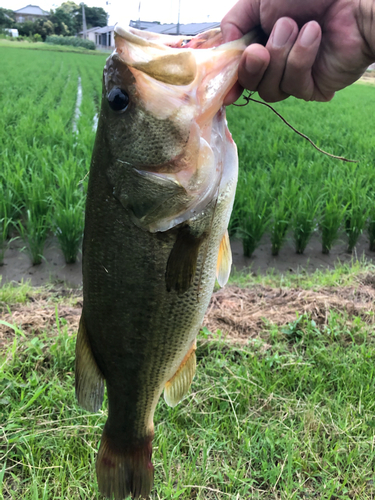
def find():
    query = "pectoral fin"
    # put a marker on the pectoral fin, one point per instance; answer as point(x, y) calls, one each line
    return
point(182, 262)
point(89, 379)
point(224, 261)
point(178, 385)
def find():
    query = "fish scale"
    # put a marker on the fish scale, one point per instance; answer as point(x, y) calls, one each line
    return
point(155, 238)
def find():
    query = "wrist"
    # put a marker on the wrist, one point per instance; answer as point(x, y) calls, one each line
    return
point(366, 24)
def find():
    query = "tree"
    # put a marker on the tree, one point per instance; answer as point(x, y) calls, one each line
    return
point(25, 29)
point(64, 19)
point(44, 28)
point(95, 16)
point(6, 18)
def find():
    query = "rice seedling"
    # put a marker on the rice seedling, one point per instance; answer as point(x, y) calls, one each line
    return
point(333, 212)
point(281, 213)
point(371, 224)
point(281, 216)
point(5, 223)
point(34, 233)
point(304, 218)
point(68, 227)
point(356, 213)
point(253, 209)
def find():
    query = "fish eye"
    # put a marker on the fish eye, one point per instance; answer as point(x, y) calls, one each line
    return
point(118, 99)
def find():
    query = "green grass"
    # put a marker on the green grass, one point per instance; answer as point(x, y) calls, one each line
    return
point(289, 415)
point(47, 47)
point(343, 274)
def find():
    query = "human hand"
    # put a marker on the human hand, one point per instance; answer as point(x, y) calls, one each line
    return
point(315, 47)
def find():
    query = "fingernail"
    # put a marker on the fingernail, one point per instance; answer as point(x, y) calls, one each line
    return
point(282, 32)
point(309, 34)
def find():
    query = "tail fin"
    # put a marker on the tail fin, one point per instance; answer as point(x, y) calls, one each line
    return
point(124, 470)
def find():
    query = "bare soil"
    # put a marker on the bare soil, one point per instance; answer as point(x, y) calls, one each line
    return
point(240, 313)
point(17, 266)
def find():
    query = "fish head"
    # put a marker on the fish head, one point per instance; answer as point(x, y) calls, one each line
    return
point(161, 105)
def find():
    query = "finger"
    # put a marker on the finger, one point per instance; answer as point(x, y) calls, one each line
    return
point(280, 43)
point(251, 69)
point(234, 93)
point(297, 79)
point(252, 66)
point(240, 19)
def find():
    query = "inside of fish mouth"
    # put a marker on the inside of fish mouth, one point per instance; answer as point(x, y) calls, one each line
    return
point(207, 39)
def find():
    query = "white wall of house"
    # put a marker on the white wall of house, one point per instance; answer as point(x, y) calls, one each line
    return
point(105, 40)
point(90, 36)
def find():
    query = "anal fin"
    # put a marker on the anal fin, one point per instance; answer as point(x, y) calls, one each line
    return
point(224, 261)
point(89, 381)
point(176, 388)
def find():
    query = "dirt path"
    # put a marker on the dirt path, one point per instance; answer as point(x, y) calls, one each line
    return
point(240, 313)
point(17, 265)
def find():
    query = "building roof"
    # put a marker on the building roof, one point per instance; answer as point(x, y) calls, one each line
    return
point(90, 29)
point(105, 29)
point(190, 29)
point(195, 28)
point(32, 10)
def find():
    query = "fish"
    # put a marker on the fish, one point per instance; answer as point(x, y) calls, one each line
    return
point(161, 188)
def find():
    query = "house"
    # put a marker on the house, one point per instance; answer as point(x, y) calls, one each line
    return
point(30, 13)
point(90, 34)
point(104, 38)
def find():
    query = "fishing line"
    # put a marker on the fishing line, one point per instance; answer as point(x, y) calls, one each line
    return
point(249, 98)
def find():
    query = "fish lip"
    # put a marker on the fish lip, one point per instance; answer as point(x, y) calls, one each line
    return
point(146, 39)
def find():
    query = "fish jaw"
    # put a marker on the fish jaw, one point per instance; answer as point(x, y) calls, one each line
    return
point(201, 72)
point(165, 135)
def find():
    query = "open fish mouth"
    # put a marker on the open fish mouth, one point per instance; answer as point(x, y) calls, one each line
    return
point(161, 56)
point(179, 83)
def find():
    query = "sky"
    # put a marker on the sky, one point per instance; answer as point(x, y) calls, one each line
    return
point(165, 11)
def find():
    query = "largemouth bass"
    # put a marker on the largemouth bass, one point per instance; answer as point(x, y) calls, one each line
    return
point(161, 188)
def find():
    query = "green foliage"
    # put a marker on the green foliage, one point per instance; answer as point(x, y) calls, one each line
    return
point(95, 16)
point(68, 218)
point(67, 18)
point(289, 414)
point(6, 18)
point(306, 190)
point(70, 40)
point(304, 216)
point(42, 161)
point(357, 209)
point(252, 209)
point(371, 222)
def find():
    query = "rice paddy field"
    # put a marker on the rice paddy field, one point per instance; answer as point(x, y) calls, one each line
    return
point(282, 406)
point(286, 187)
